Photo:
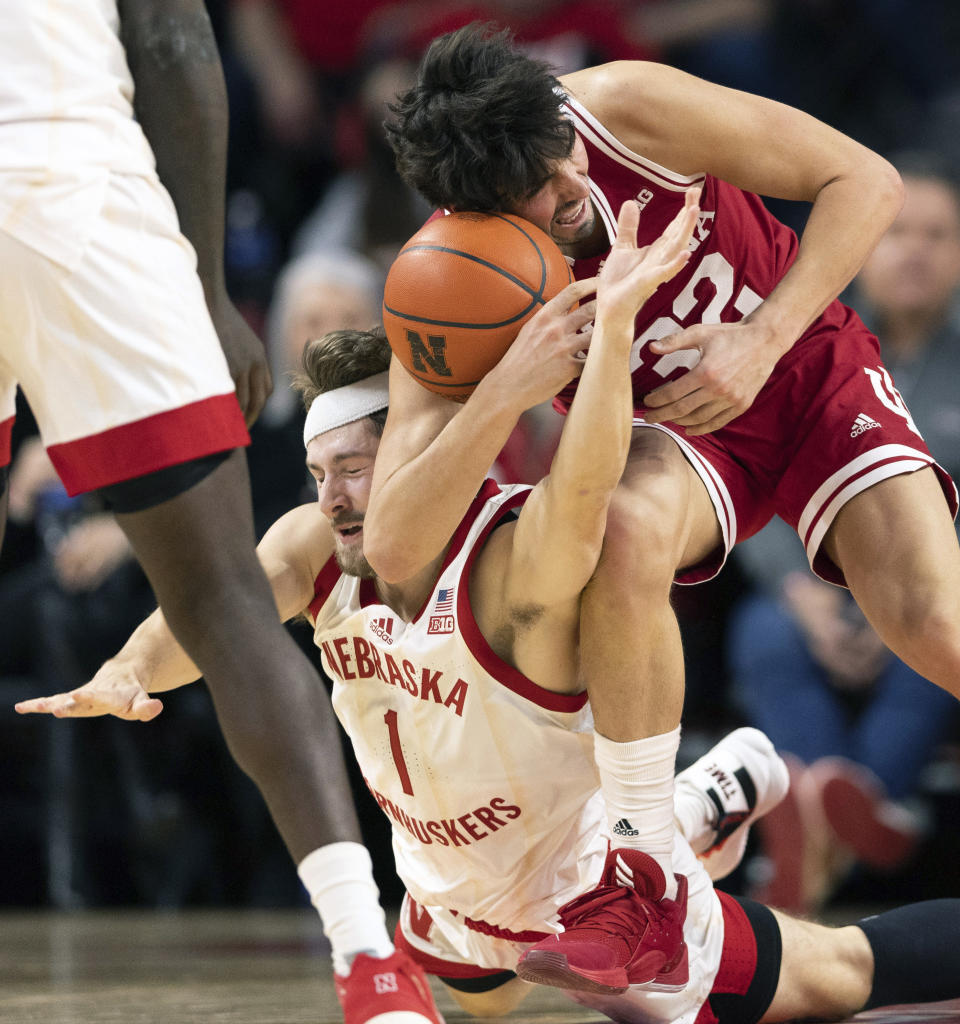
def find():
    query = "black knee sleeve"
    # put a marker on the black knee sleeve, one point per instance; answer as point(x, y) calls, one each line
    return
point(152, 488)
point(486, 983)
point(916, 953)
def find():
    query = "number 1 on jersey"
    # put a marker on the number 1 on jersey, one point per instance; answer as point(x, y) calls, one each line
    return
point(397, 750)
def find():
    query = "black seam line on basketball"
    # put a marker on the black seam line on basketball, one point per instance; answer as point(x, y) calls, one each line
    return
point(536, 247)
point(529, 289)
point(471, 327)
point(433, 382)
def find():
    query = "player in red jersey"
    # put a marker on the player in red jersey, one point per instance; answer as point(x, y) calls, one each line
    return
point(757, 393)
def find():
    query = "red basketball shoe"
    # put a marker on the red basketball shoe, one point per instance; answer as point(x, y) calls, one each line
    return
point(622, 933)
point(393, 990)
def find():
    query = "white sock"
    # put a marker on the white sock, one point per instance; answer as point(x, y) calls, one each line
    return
point(637, 783)
point(339, 879)
point(695, 816)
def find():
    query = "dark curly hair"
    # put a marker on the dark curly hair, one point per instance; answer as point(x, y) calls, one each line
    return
point(340, 358)
point(482, 127)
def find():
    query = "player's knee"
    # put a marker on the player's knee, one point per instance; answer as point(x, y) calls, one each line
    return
point(825, 972)
point(643, 536)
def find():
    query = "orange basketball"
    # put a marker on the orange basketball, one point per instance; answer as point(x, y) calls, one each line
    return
point(460, 290)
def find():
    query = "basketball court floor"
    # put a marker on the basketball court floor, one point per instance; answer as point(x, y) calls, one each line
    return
point(236, 967)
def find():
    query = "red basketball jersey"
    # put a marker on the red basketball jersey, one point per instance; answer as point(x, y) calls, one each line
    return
point(739, 250)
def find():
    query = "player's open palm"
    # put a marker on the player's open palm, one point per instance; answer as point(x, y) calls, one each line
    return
point(630, 275)
point(112, 691)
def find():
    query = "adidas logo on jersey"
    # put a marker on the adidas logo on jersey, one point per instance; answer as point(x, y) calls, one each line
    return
point(624, 828)
point(383, 628)
point(862, 424)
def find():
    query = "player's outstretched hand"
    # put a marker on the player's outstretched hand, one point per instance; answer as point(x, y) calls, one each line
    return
point(112, 691)
point(547, 353)
point(631, 275)
point(246, 357)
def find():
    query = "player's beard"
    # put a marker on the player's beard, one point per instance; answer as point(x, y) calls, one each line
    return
point(353, 563)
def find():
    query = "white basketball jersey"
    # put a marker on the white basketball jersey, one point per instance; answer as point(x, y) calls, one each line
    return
point(488, 779)
point(66, 119)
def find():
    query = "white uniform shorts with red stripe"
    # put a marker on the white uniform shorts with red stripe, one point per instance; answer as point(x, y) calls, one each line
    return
point(115, 350)
point(737, 991)
point(828, 424)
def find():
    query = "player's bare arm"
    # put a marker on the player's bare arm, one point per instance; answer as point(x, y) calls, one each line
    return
point(434, 454)
point(560, 530)
point(762, 146)
point(181, 104)
point(292, 552)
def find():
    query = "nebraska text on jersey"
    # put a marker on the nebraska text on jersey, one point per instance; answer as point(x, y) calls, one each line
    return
point(352, 657)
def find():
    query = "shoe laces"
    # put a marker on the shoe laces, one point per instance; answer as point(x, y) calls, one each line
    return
point(611, 909)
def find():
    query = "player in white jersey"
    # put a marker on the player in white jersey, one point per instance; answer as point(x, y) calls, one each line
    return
point(461, 692)
point(115, 323)
point(747, 372)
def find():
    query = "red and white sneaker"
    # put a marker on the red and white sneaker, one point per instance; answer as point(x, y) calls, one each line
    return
point(392, 990)
point(743, 777)
point(618, 934)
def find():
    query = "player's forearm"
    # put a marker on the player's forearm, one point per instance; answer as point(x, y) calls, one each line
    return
point(415, 508)
point(154, 657)
point(846, 221)
point(595, 442)
point(181, 103)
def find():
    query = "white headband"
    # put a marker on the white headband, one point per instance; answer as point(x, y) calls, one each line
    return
point(344, 405)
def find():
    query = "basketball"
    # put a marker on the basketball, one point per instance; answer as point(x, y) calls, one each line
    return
point(460, 290)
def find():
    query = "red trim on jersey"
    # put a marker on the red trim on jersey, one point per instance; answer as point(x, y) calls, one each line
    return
point(323, 585)
point(491, 662)
point(368, 593)
point(165, 439)
point(594, 131)
point(488, 489)
point(6, 429)
point(434, 965)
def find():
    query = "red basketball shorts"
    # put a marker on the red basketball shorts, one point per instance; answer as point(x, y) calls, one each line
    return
point(827, 425)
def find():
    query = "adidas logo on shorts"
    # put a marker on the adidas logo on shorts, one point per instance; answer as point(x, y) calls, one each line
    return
point(624, 828)
point(862, 424)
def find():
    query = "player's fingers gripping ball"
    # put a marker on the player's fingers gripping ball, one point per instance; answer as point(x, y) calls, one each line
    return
point(460, 290)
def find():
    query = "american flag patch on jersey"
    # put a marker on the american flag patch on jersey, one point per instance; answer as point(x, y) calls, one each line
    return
point(445, 599)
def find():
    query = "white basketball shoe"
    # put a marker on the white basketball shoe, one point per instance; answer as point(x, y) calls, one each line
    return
point(720, 796)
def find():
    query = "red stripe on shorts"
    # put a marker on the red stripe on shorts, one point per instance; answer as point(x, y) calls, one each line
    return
point(155, 442)
point(738, 962)
point(6, 429)
point(440, 968)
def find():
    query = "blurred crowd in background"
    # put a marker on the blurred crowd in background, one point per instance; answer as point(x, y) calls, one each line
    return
point(102, 812)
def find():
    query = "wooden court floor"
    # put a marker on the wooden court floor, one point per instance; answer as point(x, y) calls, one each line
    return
point(237, 967)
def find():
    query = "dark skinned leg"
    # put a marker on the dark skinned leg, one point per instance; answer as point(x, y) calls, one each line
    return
point(198, 550)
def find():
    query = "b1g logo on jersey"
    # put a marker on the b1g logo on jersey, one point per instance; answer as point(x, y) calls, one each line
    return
point(442, 619)
point(643, 198)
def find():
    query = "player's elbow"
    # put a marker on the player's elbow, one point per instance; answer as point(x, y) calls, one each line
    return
point(389, 559)
point(890, 185)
